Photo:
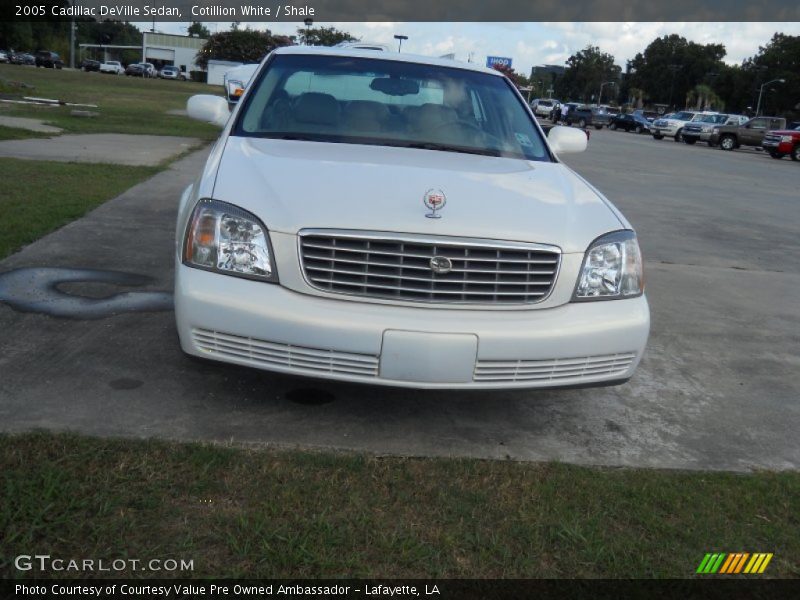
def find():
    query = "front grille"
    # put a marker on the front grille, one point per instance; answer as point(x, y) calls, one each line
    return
point(399, 268)
point(695, 128)
point(771, 137)
point(660, 123)
point(507, 371)
point(266, 354)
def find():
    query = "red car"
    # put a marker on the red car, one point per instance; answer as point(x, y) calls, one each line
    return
point(781, 142)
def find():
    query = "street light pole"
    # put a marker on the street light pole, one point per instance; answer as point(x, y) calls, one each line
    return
point(674, 69)
point(602, 85)
point(400, 39)
point(761, 91)
point(308, 22)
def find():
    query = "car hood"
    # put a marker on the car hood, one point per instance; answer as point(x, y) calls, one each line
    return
point(292, 185)
point(784, 131)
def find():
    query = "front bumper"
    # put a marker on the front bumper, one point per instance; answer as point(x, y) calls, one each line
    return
point(270, 327)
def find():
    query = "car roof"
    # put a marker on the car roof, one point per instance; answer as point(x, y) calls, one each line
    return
point(392, 56)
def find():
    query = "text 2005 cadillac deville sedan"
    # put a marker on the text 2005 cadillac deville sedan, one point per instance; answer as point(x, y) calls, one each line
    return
point(401, 220)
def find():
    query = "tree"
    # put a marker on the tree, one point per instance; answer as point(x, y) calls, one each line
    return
point(702, 97)
point(586, 71)
point(509, 72)
point(670, 67)
point(197, 29)
point(242, 45)
point(324, 36)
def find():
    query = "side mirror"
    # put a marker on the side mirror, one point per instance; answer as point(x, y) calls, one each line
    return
point(210, 109)
point(566, 140)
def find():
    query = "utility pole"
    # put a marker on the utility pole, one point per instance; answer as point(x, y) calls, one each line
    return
point(72, 38)
point(674, 69)
point(400, 39)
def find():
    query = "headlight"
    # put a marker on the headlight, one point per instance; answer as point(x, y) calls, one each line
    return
point(786, 138)
point(235, 89)
point(706, 129)
point(715, 130)
point(612, 269)
point(226, 239)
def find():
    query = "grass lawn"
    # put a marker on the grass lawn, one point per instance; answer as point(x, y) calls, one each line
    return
point(272, 513)
point(125, 104)
point(14, 133)
point(37, 197)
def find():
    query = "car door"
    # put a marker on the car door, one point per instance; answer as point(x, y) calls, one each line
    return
point(753, 132)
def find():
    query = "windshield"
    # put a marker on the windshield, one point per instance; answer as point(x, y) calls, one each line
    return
point(389, 103)
point(682, 116)
point(713, 118)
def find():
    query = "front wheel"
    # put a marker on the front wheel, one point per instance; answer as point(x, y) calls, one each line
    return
point(582, 123)
point(678, 136)
point(598, 127)
point(613, 127)
point(638, 129)
point(728, 142)
point(689, 141)
point(795, 153)
point(776, 155)
point(658, 136)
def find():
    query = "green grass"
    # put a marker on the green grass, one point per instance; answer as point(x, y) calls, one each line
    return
point(37, 197)
point(272, 513)
point(14, 133)
point(125, 104)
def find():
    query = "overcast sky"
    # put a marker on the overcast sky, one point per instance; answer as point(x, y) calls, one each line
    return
point(530, 44)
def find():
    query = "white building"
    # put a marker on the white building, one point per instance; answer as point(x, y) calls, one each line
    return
point(163, 49)
point(218, 68)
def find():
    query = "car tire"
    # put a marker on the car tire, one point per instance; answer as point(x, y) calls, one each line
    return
point(776, 155)
point(727, 142)
point(638, 129)
point(582, 123)
point(598, 127)
point(795, 153)
point(678, 136)
point(689, 141)
point(613, 127)
point(658, 136)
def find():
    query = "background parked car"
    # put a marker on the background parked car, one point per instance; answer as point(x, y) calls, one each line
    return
point(585, 116)
point(90, 65)
point(730, 137)
point(114, 67)
point(781, 142)
point(649, 115)
point(48, 60)
point(542, 107)
point(703, 126)
point(22, 58)
point(172, 72)
point(630, 122)
point(4, 58)
point(672, 125)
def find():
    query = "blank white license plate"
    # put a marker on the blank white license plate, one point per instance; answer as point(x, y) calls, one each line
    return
point(428, 357)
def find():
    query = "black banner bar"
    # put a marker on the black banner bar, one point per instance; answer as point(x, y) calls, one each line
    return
point(404, 10)
point(706, 588)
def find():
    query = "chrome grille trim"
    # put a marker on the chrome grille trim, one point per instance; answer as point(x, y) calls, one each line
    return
point(500, 371)
point(267, 354)
point(394, 266)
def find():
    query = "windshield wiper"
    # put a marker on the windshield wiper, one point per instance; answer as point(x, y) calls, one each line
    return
point(446, 148)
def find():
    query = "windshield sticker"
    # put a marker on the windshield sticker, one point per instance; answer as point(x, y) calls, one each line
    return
point(523, 140)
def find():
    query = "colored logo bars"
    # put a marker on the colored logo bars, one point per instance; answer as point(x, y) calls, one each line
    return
point(734, 563)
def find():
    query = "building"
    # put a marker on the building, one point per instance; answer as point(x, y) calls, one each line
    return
point(163, 49)
point(217, 70)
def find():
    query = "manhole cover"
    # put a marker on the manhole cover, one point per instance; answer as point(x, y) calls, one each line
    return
point(310, 396)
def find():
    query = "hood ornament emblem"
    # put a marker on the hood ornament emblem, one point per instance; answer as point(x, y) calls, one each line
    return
point(435, 200)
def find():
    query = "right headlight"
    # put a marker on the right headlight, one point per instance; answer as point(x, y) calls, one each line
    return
point(226, 239)
point(612, 269)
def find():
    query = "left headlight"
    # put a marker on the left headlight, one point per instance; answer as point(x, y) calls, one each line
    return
point(226, 239)
point(235, 90)
point(612, 269)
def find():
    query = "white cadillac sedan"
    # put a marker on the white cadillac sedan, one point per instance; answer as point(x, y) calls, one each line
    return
point(402, 220)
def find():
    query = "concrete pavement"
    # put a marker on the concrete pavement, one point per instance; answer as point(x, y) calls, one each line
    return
point(115, 148)
point(717, 389)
